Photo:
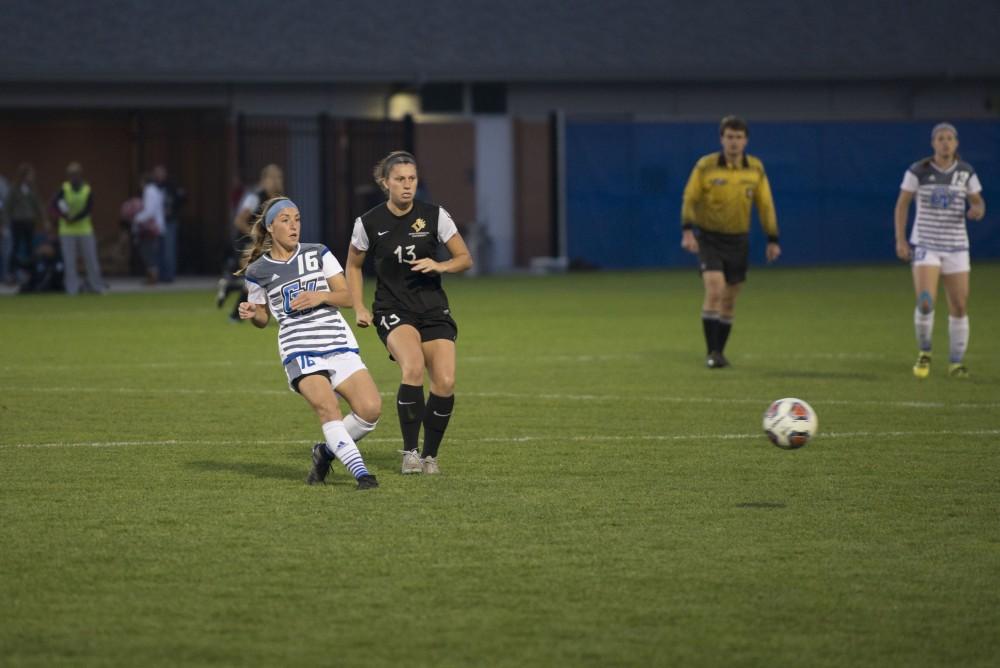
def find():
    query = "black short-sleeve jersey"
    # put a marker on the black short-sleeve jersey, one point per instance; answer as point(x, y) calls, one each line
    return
point(395, 242)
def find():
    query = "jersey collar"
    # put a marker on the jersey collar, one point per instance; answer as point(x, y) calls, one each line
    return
point(267, 256)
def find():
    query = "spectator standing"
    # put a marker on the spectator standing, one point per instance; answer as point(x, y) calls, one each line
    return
point(173, 199)
point(75, 201)
point(25, 214)
point(149, 226)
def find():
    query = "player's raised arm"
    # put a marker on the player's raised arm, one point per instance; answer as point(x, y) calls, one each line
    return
point(461, 258)
point(340, 296)
point(252, 312)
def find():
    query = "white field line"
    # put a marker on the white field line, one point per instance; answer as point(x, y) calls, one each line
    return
point(473, 359)
point(526, 439)
point(238, 363)
point(12, 390)
point(140, 365)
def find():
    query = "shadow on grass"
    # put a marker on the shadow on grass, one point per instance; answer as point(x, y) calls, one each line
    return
point(383, 459)
point(255, 469)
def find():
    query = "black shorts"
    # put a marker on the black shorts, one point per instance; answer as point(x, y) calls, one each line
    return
point(728, 253)
point(432, 326)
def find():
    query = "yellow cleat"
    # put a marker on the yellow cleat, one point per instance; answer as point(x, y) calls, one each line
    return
point(958, 370)
point(922, 368)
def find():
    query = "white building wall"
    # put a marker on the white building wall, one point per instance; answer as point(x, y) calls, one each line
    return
point(495, 188)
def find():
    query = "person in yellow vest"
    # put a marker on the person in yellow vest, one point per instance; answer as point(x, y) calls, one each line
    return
point(74, 202)
point(715, 222)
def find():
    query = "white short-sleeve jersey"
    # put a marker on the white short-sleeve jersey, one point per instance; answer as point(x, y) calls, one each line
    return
point(320, 330)
point(941, 196)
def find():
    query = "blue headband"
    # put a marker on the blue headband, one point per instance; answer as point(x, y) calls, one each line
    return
point(275, 208)
point(941, 127)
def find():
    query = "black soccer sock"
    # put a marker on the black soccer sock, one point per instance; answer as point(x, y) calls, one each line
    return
point(244, 295)
point(410, 406)
point(725, 326)
point(710, 325)
point(436, 417)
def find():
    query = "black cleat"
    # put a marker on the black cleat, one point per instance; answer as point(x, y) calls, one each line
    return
point(321, 465)
point(367, 481)
point(716, 361)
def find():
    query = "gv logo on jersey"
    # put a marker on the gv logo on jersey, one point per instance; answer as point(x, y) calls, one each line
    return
point(941, 197)
point(419, 224)
point(290, 291)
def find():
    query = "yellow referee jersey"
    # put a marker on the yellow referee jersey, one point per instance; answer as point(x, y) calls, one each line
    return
point(718, 196)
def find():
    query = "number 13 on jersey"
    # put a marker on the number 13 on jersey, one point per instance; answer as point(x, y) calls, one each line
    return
point(410, 255)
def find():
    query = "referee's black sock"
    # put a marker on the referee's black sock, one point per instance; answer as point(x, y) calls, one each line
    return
point(710, 325)
point(725, 326)
point(410, 407)
point(436, 417)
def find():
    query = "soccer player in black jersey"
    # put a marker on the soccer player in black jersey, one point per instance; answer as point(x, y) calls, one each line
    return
point(271, 184)
point(411, 313)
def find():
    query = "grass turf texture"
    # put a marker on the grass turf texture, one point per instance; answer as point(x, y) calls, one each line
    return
point(605, 500)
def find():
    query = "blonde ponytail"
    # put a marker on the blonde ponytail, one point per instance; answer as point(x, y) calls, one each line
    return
point(260, 238)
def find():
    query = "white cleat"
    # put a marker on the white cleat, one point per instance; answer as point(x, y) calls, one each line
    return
point(411, 462)
point(431, 466)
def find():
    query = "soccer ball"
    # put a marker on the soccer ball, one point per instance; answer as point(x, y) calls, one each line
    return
point(790, 423)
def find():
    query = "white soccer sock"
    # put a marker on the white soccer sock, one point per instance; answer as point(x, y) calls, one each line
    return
point(958, 337)
point(340, 443)
point(357, 427)
point(924, 324)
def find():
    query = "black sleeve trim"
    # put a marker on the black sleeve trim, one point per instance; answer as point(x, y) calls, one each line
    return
point(772, 238)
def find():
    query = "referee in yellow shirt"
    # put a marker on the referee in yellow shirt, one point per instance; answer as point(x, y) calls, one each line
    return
point(715, 223)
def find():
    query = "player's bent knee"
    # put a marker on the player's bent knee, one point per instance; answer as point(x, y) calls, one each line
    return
point(369, 409)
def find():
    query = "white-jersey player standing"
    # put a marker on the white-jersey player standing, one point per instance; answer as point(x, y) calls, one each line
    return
point(947, 191)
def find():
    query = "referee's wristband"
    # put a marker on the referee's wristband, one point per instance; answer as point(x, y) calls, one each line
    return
point(772, 238)
point(687, 226)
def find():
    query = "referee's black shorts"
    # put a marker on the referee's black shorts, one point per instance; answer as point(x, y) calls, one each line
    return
point(728, 253)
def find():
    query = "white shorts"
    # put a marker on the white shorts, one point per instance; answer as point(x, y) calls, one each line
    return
point(338, 367)
point(950, 262)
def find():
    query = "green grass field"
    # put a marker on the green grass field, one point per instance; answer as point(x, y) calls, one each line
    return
point(605, 500)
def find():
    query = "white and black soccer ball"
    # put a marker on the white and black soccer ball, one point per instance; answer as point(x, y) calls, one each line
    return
point(790, 423)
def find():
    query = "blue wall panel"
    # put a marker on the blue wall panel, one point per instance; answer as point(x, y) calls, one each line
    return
point(835, 185)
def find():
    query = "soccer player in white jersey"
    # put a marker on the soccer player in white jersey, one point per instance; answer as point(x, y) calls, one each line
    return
point(304, 287)
point(947, 191)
